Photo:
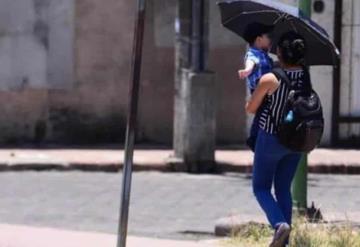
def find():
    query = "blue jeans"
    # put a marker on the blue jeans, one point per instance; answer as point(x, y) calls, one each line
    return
point(274, 164)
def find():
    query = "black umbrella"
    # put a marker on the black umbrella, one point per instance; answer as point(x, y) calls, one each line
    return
point(236, 15)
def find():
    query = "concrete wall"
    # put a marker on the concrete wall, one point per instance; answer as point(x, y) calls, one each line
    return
point(94, 109)
point(322, 76)
point(36, 54)
point(23, 52)
point(350, 69)
point(36, 44)
point(62, 78)
point(66, 68)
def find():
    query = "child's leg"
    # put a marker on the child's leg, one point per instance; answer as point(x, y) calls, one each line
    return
point(251, 141)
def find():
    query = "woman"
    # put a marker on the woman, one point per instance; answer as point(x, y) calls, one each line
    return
point(274, 163)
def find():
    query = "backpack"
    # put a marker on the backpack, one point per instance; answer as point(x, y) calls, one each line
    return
point(302, 123)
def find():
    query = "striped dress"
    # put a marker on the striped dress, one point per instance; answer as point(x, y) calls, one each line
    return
point(273, 106)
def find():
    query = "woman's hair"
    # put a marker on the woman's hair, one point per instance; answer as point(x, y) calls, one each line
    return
point(292, 48)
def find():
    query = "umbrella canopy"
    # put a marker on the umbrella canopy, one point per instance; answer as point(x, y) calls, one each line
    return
point(236, 15)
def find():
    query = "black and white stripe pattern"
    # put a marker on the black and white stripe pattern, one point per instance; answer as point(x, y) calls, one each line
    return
point(274, 104)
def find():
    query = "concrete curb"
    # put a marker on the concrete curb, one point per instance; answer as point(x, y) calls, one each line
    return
point(105, 167)
point(321, 161)
point(166, 167)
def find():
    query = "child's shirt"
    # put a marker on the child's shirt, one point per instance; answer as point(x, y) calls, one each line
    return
point(263, 65)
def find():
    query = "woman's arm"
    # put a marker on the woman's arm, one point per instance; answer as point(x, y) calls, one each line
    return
point(267, 84)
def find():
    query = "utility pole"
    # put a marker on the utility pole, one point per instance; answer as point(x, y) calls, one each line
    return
point(299, 186)
point(194, 109)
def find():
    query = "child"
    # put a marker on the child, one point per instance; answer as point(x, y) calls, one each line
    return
point(257, 63)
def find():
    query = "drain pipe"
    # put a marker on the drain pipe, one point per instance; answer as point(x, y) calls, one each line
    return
point(197, 36)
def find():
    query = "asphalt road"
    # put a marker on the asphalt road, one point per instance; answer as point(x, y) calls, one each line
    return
point(163, 205)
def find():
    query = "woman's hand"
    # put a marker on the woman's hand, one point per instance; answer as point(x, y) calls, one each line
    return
point(267, 85)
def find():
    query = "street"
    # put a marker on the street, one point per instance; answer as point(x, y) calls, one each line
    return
point(165, 205)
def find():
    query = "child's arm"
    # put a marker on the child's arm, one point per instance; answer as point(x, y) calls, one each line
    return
point(249, 66)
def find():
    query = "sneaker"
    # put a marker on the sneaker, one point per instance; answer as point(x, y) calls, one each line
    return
point(281, 235)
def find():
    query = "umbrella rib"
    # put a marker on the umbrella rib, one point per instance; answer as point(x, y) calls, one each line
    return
point(250, 12)
point(290, 18)
point(311, 32)
point(292, 24)
point(281, 16)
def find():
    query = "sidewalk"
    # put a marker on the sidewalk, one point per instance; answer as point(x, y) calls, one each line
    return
point(329, 161)
point(24, 236)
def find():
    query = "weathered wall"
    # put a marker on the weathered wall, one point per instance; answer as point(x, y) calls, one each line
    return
point(322, 76)
point(36, 54)
point(94, 109)
point(66, 68)
point(61, 78)
point(23, 51)
point(350, 69)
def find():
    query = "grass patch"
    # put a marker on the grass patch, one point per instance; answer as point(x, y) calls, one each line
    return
point(304, 234)
point(252, 234)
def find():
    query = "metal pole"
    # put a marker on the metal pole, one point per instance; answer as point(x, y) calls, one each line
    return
point(336, 74)
point(299, 187)
point(305, 6)
point(131, 123)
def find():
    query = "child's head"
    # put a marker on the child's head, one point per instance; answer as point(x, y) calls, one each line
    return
point(258, 35)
